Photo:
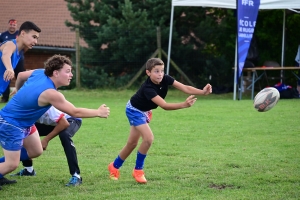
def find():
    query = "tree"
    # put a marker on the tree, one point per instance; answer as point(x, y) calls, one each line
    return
point(122, 35)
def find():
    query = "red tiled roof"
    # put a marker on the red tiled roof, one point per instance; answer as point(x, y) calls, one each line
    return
point(49, 15)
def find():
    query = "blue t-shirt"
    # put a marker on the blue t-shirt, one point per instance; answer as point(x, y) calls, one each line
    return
point(8, 36)
point(23, 109)
point(15, 57)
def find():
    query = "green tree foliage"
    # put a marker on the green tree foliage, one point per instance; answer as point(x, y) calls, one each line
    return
point(121, 35)
point(269, 34)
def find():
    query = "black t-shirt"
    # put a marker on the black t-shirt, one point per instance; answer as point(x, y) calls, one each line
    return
point(8, 36)
point(142, 98)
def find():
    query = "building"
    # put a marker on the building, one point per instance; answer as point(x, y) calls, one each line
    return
point(50, 16)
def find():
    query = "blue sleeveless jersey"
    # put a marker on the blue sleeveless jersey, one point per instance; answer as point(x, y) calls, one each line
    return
point(15, 57)
point(23, 109)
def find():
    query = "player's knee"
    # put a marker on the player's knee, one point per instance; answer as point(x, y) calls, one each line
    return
point(148, 141)
point(11, 166)
point(132, 145)
point(36, 153)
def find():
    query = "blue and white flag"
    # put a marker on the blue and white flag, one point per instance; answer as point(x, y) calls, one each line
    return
point(247, 14)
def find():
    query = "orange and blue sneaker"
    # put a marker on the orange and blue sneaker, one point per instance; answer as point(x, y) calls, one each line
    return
point(139, 176)
point(113, 172)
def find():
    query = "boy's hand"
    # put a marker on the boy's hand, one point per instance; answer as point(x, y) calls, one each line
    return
point(190, 100)
point(44, 143)
point(207, 89)
point(13, 92)
point(8, 75)
point(103, 111)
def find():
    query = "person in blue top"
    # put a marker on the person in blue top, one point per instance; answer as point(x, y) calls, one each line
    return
point(50, 124)
point(11, 33)
point(11, 51)
point(36, 92)
point(138, 110)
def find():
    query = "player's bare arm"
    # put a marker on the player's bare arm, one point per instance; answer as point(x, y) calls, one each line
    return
point(62, 124)
point(174, 106)
point(192, 90)
point(58, 100)
point(22, 77)
point(7, 50)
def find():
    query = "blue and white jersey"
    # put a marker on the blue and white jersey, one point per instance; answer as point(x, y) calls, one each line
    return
point(52, 117)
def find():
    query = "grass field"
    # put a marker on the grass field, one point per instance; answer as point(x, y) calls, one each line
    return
point(218, 149)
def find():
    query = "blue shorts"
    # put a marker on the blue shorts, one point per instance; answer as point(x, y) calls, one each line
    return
point(137, 117)
point(11, 137)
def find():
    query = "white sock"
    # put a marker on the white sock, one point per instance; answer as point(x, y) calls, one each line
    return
point(77, 175)
point(29, 169)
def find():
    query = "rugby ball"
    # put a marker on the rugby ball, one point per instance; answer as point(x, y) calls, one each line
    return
point(266, 99)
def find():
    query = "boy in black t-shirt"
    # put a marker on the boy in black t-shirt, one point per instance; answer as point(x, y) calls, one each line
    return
point(138, 110)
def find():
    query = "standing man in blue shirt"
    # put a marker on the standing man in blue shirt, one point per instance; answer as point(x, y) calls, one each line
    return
point(10, 34)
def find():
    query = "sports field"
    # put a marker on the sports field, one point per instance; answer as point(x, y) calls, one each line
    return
point(217, 149)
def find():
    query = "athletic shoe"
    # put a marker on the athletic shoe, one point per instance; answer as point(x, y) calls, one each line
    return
point(74, 181)
point(5, 181)
point(139, 176)
point(24, 172)
point(113, 172)
point(3, 100)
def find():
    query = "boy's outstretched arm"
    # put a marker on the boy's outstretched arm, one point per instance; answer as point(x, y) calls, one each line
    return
point(192, 90)
point(174, 106)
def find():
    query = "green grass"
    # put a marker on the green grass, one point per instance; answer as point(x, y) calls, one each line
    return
point(217, 149)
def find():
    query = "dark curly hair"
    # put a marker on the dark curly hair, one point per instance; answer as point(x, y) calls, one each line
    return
point(55, 62)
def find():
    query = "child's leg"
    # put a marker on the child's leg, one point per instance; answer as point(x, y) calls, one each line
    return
point(33, 145)
point(32, 148)
point(11, 141)
point(27, 163)
point(132, 142)
point(147, 137)
point(12, 160)
point(23, 156)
